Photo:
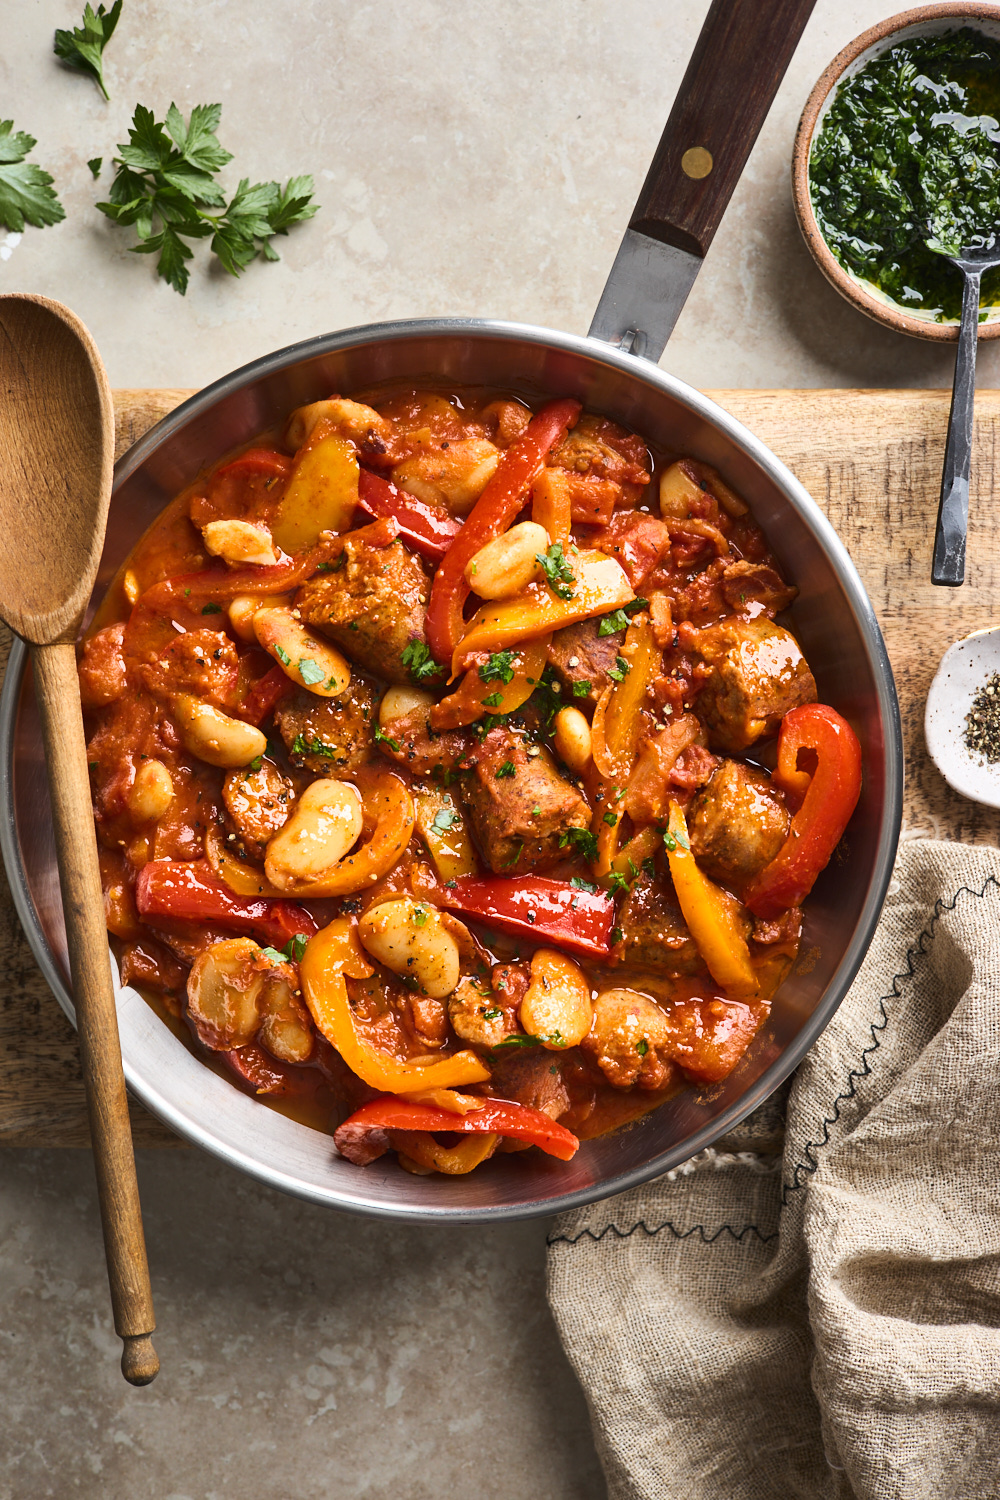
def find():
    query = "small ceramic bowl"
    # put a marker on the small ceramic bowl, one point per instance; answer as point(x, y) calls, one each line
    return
point(964, 669)
point(926, 20)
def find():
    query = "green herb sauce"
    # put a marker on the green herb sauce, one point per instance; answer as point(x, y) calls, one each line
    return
point(906, 169)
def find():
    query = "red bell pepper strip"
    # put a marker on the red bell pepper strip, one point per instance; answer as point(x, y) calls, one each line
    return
point(264, 695)
point(831, 795)
point(492, 513)
point(254, 462)
point(548, 911)
point(423, 527)
point(188, 891)
point(364, 1135)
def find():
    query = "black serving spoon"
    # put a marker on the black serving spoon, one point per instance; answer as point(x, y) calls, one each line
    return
point(948, 566)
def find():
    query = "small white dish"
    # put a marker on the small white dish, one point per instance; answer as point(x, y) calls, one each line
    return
point(965, 668)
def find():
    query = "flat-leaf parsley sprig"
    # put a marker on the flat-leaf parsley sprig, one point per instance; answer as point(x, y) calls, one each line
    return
point(26, 193)
point(82, 48)
point(165, 187)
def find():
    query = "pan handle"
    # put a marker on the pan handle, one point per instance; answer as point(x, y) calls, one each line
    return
point(738, 63)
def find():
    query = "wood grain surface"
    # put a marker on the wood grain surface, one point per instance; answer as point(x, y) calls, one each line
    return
point(872, 461)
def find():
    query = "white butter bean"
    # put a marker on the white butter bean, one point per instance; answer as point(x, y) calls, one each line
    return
point(240, 542)
point(152, 792)
point(677, 493)
point(286, 1030)
point(505, 566)
point(325, 824)
point(352, 418)
point(572, 738)
point(556, 1007)
point(307, 660)
point(214, 736)
point(243, 608)
point(223, 989)
point(397, 702)
point(411, 939)
point(454, 476)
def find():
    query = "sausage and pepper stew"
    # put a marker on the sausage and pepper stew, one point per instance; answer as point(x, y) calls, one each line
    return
point(430, 741)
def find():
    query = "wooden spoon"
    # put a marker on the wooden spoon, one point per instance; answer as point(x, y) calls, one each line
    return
point(56, 454)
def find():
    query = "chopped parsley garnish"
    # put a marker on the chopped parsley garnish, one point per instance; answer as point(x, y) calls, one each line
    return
point(649, 868)
point(502, 772)
point(583, 841)
point(672, 841)
point(381, 738)
point(621, 668)
point(417, 659)
point(420, 916)
point(493, 701)
point(499, 668)
point(518, 1041)
point(292, 951)
point(493, 1014)
point(642, 1046)
point(518, 851)
point(582, 885)
point(610, 818)
point(618, 619)
point(310, 671)
point(82, 47)
point(558, 573)
point(444, 818)
point(581, 689)
point(616, 936)
point(302, 746)
point(616, 882)
point(283, 656)
point(211, 609)
point(256, 763)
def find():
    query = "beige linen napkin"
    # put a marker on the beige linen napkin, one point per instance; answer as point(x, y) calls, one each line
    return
point(826, 1324)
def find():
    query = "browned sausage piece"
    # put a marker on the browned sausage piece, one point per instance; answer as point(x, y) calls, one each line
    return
point(758, 675)
point(581, 659)
point(258, 802)
point(330, 736)
point(654, 934)
point(737, 823)
point(373, 606)
point(519, 805)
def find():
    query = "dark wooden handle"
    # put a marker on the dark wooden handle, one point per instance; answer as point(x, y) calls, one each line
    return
point(732, 78)
point(58, 692)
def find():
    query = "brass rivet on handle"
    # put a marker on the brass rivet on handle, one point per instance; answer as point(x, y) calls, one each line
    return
point(696, 162)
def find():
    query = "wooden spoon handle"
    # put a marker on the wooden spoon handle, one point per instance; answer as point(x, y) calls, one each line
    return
point(57, 689)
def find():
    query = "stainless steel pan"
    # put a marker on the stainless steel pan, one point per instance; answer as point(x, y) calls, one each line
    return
point(833, 620)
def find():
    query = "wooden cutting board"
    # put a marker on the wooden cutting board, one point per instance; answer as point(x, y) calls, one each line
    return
point(872, 461)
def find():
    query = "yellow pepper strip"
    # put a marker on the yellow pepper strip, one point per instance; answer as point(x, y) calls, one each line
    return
point(599, 586)
point(424, 1151)
point(552, 505)
point(242, 878)
point(388, 809)
point(444, 831)
point(616, 725)
point(712, 915)
point(606, 824)
point(643, 846)
point(330, 956)
point(473, 698)
point(322, 491)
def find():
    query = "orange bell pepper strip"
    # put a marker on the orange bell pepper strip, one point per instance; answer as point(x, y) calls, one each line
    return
point(829, 796)
point(475, 697)
point(242, 878)
point(335, 955)
point(388, 819)
point(616, 728)
point(599, 586)
point(491, 515)
point(711, 914)
point(551, 505)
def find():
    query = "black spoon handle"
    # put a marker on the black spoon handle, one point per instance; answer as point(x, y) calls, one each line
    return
point(953, 513)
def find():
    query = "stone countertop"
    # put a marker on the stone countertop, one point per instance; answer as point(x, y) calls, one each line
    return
point(476, 158)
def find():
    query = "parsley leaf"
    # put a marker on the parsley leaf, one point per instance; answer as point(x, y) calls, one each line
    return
point(291, 953)
point(165, 187)
point(26, 194)
point(502, 772)
point(616, 882)
point(95, 163)
point(642, 1046)
point(672, 841)
point(559, 575)
point(618, 619)
point(82, 47)
point(499, 668)
point(302, 746)
point(493, 1014)
point(616, 936)
point(273, 956)
point(582, 840)
point(444, 818)
point(381, 738)
point(310, 671)
point(610, 818)
point(212, 609)
point(517, 1041)
point(620, 670)
point(581, 689)
point(283, 656)
point(582, 885)
point(418, 661)
point(494, 700)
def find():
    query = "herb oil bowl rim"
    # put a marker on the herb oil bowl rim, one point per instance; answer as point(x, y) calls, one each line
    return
point(881, 36)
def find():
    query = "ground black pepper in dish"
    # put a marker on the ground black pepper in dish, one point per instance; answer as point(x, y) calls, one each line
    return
point(982, 722)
